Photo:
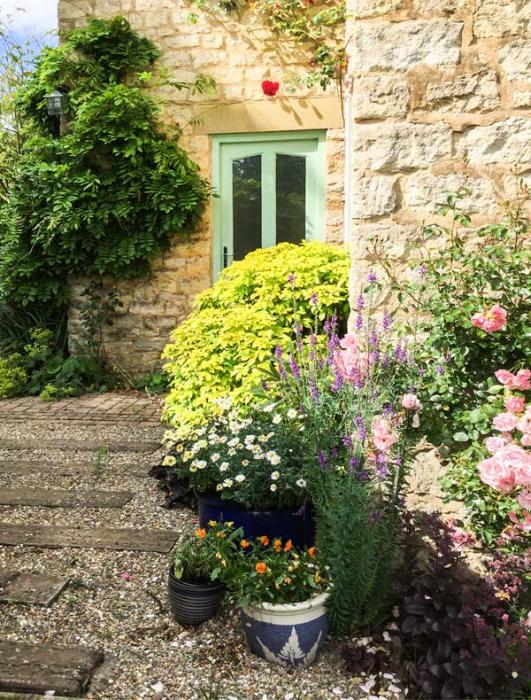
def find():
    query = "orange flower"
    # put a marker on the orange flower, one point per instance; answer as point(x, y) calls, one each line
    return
point(264, 540)
point(288, 546)
point(244, 544)
point(277, 544)
point(261, 568)
point(287, 580)
point(201, 533)
point(312, 552)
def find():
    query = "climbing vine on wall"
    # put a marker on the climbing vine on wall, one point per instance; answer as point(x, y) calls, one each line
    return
point(316, 26)
point(106, 193)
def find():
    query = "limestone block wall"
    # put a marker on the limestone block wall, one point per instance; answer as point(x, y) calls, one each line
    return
point(239, 57)
point(441, 98)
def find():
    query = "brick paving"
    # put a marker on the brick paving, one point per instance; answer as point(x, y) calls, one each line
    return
point(114, 406)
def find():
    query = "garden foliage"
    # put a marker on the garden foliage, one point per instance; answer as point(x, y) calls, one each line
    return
point(225, 347)
point(459, 637)
point(461, 273)
point(109, 192)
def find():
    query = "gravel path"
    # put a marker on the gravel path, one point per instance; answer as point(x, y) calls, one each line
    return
point(117, 600)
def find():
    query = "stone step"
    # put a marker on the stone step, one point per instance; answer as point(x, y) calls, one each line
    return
point(26, 588)
point(62, 498)
point(16, 466)
point(90, 538)
point(138, 446)
point(37, 668)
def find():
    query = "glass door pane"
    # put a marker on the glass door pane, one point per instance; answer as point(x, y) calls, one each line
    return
point(290, 198)
point(246, 205)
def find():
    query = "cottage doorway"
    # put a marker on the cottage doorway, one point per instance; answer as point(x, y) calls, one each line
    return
point(270, 189)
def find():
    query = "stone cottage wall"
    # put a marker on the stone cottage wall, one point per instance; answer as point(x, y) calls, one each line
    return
point(442, 97)
point(222, 47)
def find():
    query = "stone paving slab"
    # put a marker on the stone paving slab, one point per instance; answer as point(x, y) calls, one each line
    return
point(30, 589)
point(37, 668)
point(25, 696)
point(63, 498)
point(68, 469)
point(128, 539)
point(119, 407)
point(138, 446)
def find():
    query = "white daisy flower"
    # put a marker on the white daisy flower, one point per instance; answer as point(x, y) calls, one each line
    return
point(245, 462)
point(169, 461)
point(223, 466)
point(219, 487)
point(228, 483)
point(272, 457)
point(179, 447)
point(301, 483)
point(275, 476)
point(233, 442)
point(277, 418)
point(273, 487)
point(239, 478)
point(292, 413)
point(199, 463)
point(231, 452)
point(268, 408)
point(215, 457)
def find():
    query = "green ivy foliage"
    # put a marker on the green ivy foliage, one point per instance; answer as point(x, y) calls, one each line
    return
point(225, 347)
point(106, 195)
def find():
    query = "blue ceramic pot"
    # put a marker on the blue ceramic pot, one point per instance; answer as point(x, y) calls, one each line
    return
point(295, 524)
point(289, 635)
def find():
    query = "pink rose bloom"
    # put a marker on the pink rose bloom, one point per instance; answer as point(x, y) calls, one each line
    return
point(496, 474)
point(490, 321)
point(505, 422)
point(522, 474)
point(383, 435)
point(495, 443)
point(514, 456)
point(504, 377)
point(349, 342)
point(524, 424)
point(524, 499)
point(526, 440)
point(521, 380)
point(411, 402)
point(515, 404)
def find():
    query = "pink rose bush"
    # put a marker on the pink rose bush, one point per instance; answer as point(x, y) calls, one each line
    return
point(508, 469)
point(492, 320)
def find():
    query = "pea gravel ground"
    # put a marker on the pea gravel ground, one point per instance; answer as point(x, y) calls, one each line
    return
point(117, 600)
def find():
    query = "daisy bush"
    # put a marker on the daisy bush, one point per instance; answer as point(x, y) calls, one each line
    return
point(255, 460)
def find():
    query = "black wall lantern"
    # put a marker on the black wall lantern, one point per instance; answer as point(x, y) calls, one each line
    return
point(56, 103)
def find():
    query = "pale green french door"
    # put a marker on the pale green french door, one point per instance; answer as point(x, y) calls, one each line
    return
point(270, 189)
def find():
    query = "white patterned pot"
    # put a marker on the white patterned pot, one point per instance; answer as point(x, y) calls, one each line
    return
point(289, 635)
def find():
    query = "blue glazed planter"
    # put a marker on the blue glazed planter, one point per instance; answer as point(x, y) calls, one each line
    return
point(295, 524)
point(289, 635)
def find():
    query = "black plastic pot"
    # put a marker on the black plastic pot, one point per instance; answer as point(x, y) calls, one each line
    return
point(193, 603)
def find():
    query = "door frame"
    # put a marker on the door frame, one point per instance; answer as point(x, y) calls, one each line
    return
point(218, 140)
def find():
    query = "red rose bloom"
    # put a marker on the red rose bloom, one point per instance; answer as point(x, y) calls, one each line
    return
point(270, 88)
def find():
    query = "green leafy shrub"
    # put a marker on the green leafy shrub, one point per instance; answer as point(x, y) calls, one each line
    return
point(225, 347)
point(467, 272)
point(42, 369)
point(108, 193)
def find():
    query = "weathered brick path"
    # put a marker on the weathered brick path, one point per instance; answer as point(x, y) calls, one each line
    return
point(123, 406)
